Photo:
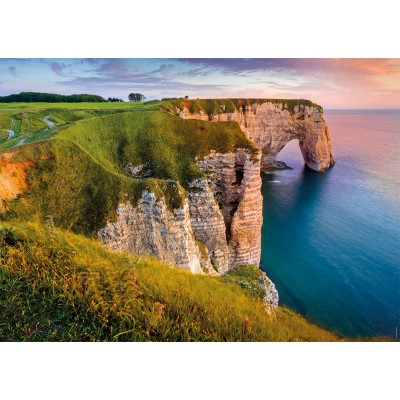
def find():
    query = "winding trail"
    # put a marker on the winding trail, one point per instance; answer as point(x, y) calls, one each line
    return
point(48, 122)
point(11, 134)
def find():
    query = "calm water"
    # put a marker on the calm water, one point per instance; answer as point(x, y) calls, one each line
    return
point(331, 242)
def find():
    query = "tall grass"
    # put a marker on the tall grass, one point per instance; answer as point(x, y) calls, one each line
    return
point(59, 286)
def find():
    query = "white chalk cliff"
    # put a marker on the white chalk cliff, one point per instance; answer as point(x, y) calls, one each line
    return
point(272, 125)
point(219, 225)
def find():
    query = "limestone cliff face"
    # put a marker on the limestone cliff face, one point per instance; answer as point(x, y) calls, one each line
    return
point(272, 125)
point(226, 208)
point(218, 227)
point(219, 224)
point(208, 223)
point(150, 228)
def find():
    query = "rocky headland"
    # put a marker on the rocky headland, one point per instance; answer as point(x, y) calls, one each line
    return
point(156, 184)
point(219, 225)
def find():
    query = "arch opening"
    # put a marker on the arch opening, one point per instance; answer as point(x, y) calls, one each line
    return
point(287, 155)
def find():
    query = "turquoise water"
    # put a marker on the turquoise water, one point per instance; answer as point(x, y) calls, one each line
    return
point(331, 242)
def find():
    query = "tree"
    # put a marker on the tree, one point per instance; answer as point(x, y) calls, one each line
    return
point(136, 97)
point(114, 100)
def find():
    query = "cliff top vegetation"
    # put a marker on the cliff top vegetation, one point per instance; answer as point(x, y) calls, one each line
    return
point(219, 106)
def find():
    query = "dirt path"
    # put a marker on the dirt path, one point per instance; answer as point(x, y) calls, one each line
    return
point(11, 134)
point(48, 122)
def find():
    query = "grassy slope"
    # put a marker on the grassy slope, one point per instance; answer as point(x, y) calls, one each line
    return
point(26, 119)
point(59, 286)
point(169, 144)
point(78, 175)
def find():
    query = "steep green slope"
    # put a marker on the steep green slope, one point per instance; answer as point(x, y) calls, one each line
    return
point(65, 182)
point(59, 286)
point(78, 176)
point(168, 145)
point(28, 122)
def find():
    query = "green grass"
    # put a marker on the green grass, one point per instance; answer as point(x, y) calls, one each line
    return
point(69, 184)
point(27, 119)
point(213, 106)
point(168, 144)
point(248, 277)
point(3, 135)
point(5, 122)
point(74, 106)
point(57, 286)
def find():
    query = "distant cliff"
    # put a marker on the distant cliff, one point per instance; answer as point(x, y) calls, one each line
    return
point(272, 124)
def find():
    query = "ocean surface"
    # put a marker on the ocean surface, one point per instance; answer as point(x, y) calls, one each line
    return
point(331, 242)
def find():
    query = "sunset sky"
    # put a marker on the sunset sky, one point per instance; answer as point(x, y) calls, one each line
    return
point(332, 83)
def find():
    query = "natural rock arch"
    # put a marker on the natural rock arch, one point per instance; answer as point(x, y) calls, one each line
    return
point(271, 127)
point(272, 124)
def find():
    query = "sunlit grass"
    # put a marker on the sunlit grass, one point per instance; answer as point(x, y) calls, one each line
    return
point(56, 285)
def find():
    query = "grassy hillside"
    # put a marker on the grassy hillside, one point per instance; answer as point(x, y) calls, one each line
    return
point(168, 144)
point(27, 119)
point(56, 285)
point(78, 175)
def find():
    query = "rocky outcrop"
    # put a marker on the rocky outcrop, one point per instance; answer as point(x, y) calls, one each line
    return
point(272, 125)
point(219, 224)
point(226, 208)
point(208, 223)
point(218, 227)
point(13, 180)
point(271, 298)
point(150, 228)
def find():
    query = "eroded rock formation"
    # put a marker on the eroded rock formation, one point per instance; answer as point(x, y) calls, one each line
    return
point(231, 193)
point(272, 125)
point(150, 228)
point(218, 227)
point(12, 178)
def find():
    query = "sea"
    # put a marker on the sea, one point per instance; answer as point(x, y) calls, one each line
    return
point(331, 241)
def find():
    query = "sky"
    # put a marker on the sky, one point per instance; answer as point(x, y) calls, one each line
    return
point(332, 83)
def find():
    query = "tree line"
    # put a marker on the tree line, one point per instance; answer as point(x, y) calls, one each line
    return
point(34, 97)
